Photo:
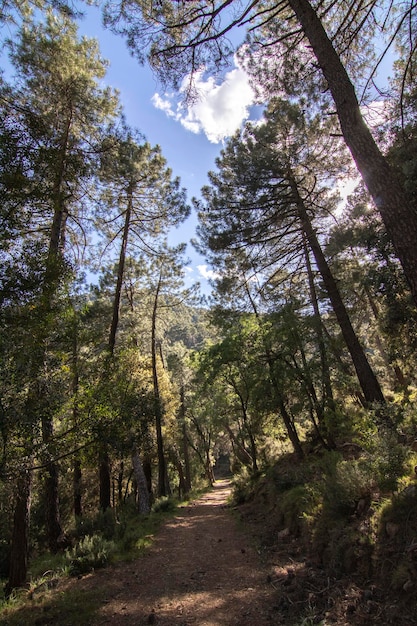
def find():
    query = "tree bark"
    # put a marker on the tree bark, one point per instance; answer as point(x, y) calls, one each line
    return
point(367, 379)
point(185, 447)
point(53, 521)
point(20, 536)
point(286, 418)
point(398, 215)
point(105, 479)
point(144, 503)
point(120, 274)
point(76, 468)
point(327, 390)
point(162, 488)
point(77, 488)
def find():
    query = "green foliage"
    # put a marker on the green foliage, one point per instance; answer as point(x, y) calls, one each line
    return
point(92, 552)
point(76, 606)
point(164, 504)
point(344, 483)
point(295, 506)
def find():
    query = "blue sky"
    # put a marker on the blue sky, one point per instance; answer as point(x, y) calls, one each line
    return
point(191, 138)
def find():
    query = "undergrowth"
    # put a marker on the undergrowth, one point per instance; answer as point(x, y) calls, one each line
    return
point(95, 543)
point(354, 509)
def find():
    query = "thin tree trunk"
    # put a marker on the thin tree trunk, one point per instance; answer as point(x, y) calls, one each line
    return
point(248, 428)
point(76, 469)
point(104, 479)
point(289, 425)
point(396, 370)
point(104, 459)
point(77, 488)
point(53, 521)
point(367, 379)
point(120, 274)
point(398, 215)
point(185, 447)
point(327, 390)
point(162, 470)
point(50, 474)
point(52, 277)
point(147, 468)
point(286, 418)
point(176, 459)
point(120, 477)
point(144, 504)
point(318, 327)
point(20, 536)
point(206, 443)
point(240, 450)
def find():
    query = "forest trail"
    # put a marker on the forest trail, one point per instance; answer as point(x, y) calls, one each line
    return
point(200, 570)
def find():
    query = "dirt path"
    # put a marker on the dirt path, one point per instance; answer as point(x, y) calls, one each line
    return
point(200, 570)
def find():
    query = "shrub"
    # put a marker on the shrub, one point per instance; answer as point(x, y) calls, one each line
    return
point(344, 484)
point(294, 505)
point(92, 552)
point(164, 505)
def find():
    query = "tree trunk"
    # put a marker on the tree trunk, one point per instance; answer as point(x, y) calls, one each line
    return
point(327, 390)
point(77, 488)
point(239, 449)
point(400, 381)
point(120, 274)
point(76, 470)
point(162, 470)
point(105, 479)
point(185, 447)
point(289, 425)
point(367, 379)
point(176, 459)
point(52, 277)
point(51, 481)
point(53, 522)
point(252, 442)
point(144, 504)
point(20, 534)
point(147, 468)
point(286, 418)
point(318, 327)
point(398, 215)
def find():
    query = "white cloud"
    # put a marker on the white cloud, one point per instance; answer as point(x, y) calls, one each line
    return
point(207, 273)
point(220, 108)
point(163, 105)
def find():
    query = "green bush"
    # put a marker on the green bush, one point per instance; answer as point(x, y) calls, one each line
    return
point(104, 523)
point(164, 505)
point(344, 484)
point(389, 460)
point(92, 552)
point(294, 504)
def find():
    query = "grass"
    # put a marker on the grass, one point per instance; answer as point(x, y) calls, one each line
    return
point(52, 606)
point(50, 599)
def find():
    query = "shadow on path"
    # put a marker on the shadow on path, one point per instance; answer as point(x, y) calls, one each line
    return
point(200, 570)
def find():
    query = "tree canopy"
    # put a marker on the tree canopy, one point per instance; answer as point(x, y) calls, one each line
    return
point(119, 385)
